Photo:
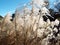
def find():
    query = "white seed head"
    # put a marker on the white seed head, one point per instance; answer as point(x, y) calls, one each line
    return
point(55, 29)
point(56, 22)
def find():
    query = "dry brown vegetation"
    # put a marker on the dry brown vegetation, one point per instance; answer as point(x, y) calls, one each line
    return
point(30, 29)
point(19, 32)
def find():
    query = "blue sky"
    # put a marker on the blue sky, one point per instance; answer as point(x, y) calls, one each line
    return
point(11, 5)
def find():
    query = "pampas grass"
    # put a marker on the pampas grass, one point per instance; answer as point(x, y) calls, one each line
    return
point(30, 29)
point(28, 32)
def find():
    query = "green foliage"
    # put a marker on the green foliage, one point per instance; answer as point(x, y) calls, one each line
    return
point(58, 18)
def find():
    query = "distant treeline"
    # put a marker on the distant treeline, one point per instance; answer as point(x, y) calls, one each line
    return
point(1, 17)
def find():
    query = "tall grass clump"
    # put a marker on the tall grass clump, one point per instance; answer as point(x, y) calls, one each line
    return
point(29, 28)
